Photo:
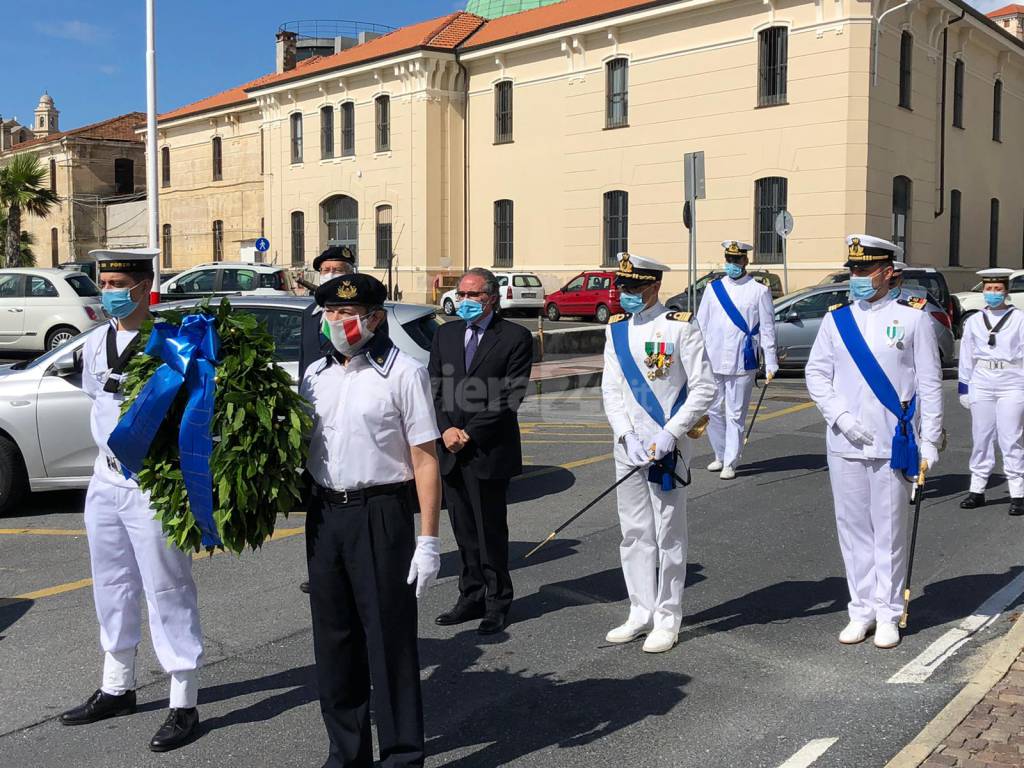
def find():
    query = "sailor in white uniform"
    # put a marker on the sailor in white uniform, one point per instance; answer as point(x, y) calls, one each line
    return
point(992, 387)
point(129, 553)
point(874, 374)
point(733, 312)
point(657, 386)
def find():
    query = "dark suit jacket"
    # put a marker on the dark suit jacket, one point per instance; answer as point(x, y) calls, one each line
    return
point(314, 345)
point(482, 401)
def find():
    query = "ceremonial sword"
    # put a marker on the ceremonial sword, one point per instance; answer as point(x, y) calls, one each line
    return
point(760, 400)
point(919, 491)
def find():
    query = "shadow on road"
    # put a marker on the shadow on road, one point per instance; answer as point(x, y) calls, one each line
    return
point(556, 550)
point(787, 463)
point(553, 480)
point(50, 503)
point(952, 599)
point(11, 610)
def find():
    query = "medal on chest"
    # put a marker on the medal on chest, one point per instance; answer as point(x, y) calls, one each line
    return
point(895, 333)
point(658, 359)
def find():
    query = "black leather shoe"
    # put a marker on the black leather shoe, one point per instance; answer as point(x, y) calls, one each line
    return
point(493, 623)
point(462, 612)
point(100, 706)
point(974, 500)
point(177, 730)
point(304, 587)
point(1017, 507)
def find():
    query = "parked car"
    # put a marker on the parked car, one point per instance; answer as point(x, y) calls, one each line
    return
point(681, 301)
point(589, 294)
point(46, 444)
point(42, 308)
point(87, 267)
point(228, 279)
point(973, 300)
point(798, 317)
point(519, 291)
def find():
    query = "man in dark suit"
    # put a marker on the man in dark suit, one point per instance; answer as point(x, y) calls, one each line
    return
point(479, 370)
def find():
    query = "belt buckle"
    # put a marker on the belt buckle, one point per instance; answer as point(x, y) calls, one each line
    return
point(344, 497)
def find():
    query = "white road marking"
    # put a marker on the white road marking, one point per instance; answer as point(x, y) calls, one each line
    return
point(810, 752)
point(922, 667)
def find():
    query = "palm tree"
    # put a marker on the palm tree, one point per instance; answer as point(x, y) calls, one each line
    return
point(22, 191)
point(25, 257)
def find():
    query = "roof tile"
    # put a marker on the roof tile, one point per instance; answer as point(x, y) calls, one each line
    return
point(1007, 10)
point(120, 128)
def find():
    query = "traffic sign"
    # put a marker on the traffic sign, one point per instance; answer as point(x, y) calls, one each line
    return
point(784, 223)
point(263, 245)
point(693, 175)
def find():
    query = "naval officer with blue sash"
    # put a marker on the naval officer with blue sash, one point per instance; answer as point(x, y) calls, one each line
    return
point(657, 385)
point(735, 316)
point(874, 373)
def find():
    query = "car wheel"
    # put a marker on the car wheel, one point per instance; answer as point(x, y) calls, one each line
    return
point(59, 335)
point(13, 482)
point(602, 314)
point(449, 307)
point(552, 312)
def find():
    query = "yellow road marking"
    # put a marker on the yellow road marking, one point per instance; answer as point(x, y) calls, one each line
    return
point(566, 442)
point(60, 589)
point(567, 465)
point(42, 532)
point(786, 411)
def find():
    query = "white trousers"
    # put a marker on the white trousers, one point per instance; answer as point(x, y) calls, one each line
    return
point(130, 557)
point(653, 548)
point(728, 416)
point(871, 502)
point(997, 416)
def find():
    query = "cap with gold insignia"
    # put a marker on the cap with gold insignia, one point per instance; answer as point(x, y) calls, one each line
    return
point(126, 259)
point(996, 275)
point(865, 250)
point(362, 289)
point(637, 271)
point(735, 249)
point(335, 253)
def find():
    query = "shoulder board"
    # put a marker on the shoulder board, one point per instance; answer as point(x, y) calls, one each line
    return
point(683, 317)
point(915, 303)
point(619, 317)
point(840, 305)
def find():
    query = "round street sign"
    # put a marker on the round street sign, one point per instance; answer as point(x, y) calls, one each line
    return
point(784, 223)
point(263, 245)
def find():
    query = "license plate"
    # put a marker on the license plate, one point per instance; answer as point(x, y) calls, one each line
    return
point(529, 295)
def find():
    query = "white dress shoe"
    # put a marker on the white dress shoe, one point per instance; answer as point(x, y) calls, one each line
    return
point(659, 641)
point(887, 635)
point(856, 632)
point(728, 473)
point(627, 633)
point(715, 466)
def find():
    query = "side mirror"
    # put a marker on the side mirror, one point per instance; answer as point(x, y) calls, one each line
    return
point(173, 288)
point(792, 317)
point(68, 365)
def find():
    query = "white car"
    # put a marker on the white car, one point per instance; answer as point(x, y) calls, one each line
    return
point(223, 278)
point(42, 308)
point(518, 291)
point(973, 300)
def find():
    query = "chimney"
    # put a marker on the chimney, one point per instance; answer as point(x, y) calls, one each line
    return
point(286, 51)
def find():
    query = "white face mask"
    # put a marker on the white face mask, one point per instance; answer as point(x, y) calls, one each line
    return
point(349, 334)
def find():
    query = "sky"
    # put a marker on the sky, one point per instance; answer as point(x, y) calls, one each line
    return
point(90, 54)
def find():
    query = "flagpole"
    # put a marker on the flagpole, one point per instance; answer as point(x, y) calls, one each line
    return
point(152, 188)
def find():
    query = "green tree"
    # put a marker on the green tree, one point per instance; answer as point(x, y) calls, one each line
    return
point(25, 258)
point(22, 192)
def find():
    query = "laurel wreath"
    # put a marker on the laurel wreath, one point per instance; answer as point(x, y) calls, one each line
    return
point(258, 426)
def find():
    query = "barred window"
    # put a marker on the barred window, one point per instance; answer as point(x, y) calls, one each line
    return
point(296, 122)
point(503, 235)
point(958, 94)
point(906, 67)
point(348, 129)
point(503, 112)
point(770, 199)
point(997, 111)
point(993, 233)
point(902, 202)
point(772, 66)
point(298, 239)
point(53, 174)
point(617, 93)
point(383, 123)
point(218, 240)
point(616, 226)
point(954, 228)
point(327, 132)
point(54, 247)
point(218, 159)
point(384, 242)
point(165, 167)
point(165, 243)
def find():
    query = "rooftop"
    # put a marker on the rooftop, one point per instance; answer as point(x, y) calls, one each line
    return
point(120, 128)
point(1006, 10)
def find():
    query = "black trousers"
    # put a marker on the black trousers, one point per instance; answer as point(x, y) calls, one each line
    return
point(364, 628)
point(478, 512)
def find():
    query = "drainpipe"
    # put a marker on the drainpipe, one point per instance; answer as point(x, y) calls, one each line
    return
point(465, 165)
point(942, 119)
point(878, 34)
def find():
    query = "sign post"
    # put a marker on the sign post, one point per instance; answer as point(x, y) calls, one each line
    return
point(693, 189)
point(783, 228)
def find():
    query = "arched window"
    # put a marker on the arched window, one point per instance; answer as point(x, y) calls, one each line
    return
point(616, 226)
point(902, 202)
point(165, 167)
point(997, 111)
point(218, 240)
point(384, 242)
point(617, 93)
point(383, 122)
point(906, 67)
point(954, 228)
point(298, 239)
point(165, 243)
point(326, 133)
point(772, 66)
point(341, 215)
point(771, 197)
point(218, 159)
point(296, 125)
point(53, 175)
point(503, 233)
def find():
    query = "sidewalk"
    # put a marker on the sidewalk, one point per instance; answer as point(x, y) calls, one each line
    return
point(567, 373)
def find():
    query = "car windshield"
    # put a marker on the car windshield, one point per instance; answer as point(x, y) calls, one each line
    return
point(526, 281)
point(82, 285)
point(929, 282)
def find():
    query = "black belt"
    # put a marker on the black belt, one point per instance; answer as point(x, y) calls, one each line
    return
point(359, 496)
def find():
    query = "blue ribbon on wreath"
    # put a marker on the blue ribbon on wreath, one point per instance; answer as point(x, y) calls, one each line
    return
point(189, 353)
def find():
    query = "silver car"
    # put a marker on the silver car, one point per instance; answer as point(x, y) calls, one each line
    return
point(798, 317)
point(45, 440)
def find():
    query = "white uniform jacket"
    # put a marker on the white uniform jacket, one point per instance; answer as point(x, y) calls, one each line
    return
point(688, 367)
point(992, 370)
point(725, 341)
point(902, 339)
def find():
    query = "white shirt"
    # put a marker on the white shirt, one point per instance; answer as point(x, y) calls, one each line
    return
point(688, 367)
point(725, 341)
point(366, 417)
point(1009, 349)
point(106, 406)
point(911, 363)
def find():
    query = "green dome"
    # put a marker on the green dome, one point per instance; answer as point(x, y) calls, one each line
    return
point(492, 9)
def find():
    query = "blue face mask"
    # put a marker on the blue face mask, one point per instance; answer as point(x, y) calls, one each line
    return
point(118, 302)
point(735, 271)
point(862, 288)
point(894, 293)
point(993, 298)
point(469, 310)
point(631, 302)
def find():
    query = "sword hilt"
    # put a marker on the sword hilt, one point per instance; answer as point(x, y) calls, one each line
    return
point(532, 551)
point(906, 608)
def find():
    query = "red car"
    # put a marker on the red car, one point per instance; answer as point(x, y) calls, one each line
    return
point(589, 294)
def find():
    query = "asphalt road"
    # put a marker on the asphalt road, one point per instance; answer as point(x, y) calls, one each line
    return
point(757, 674)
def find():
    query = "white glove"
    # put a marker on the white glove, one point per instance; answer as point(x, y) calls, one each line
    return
point(636, 454)
point(929, 455)
point(664, 444)
point(770, 371)
point(854, 431)
point(426, 562)
point(965, 401)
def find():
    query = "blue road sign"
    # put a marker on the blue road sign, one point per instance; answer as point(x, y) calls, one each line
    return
point(263, 245)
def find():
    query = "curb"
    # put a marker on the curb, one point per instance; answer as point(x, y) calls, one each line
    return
point(918, 750)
